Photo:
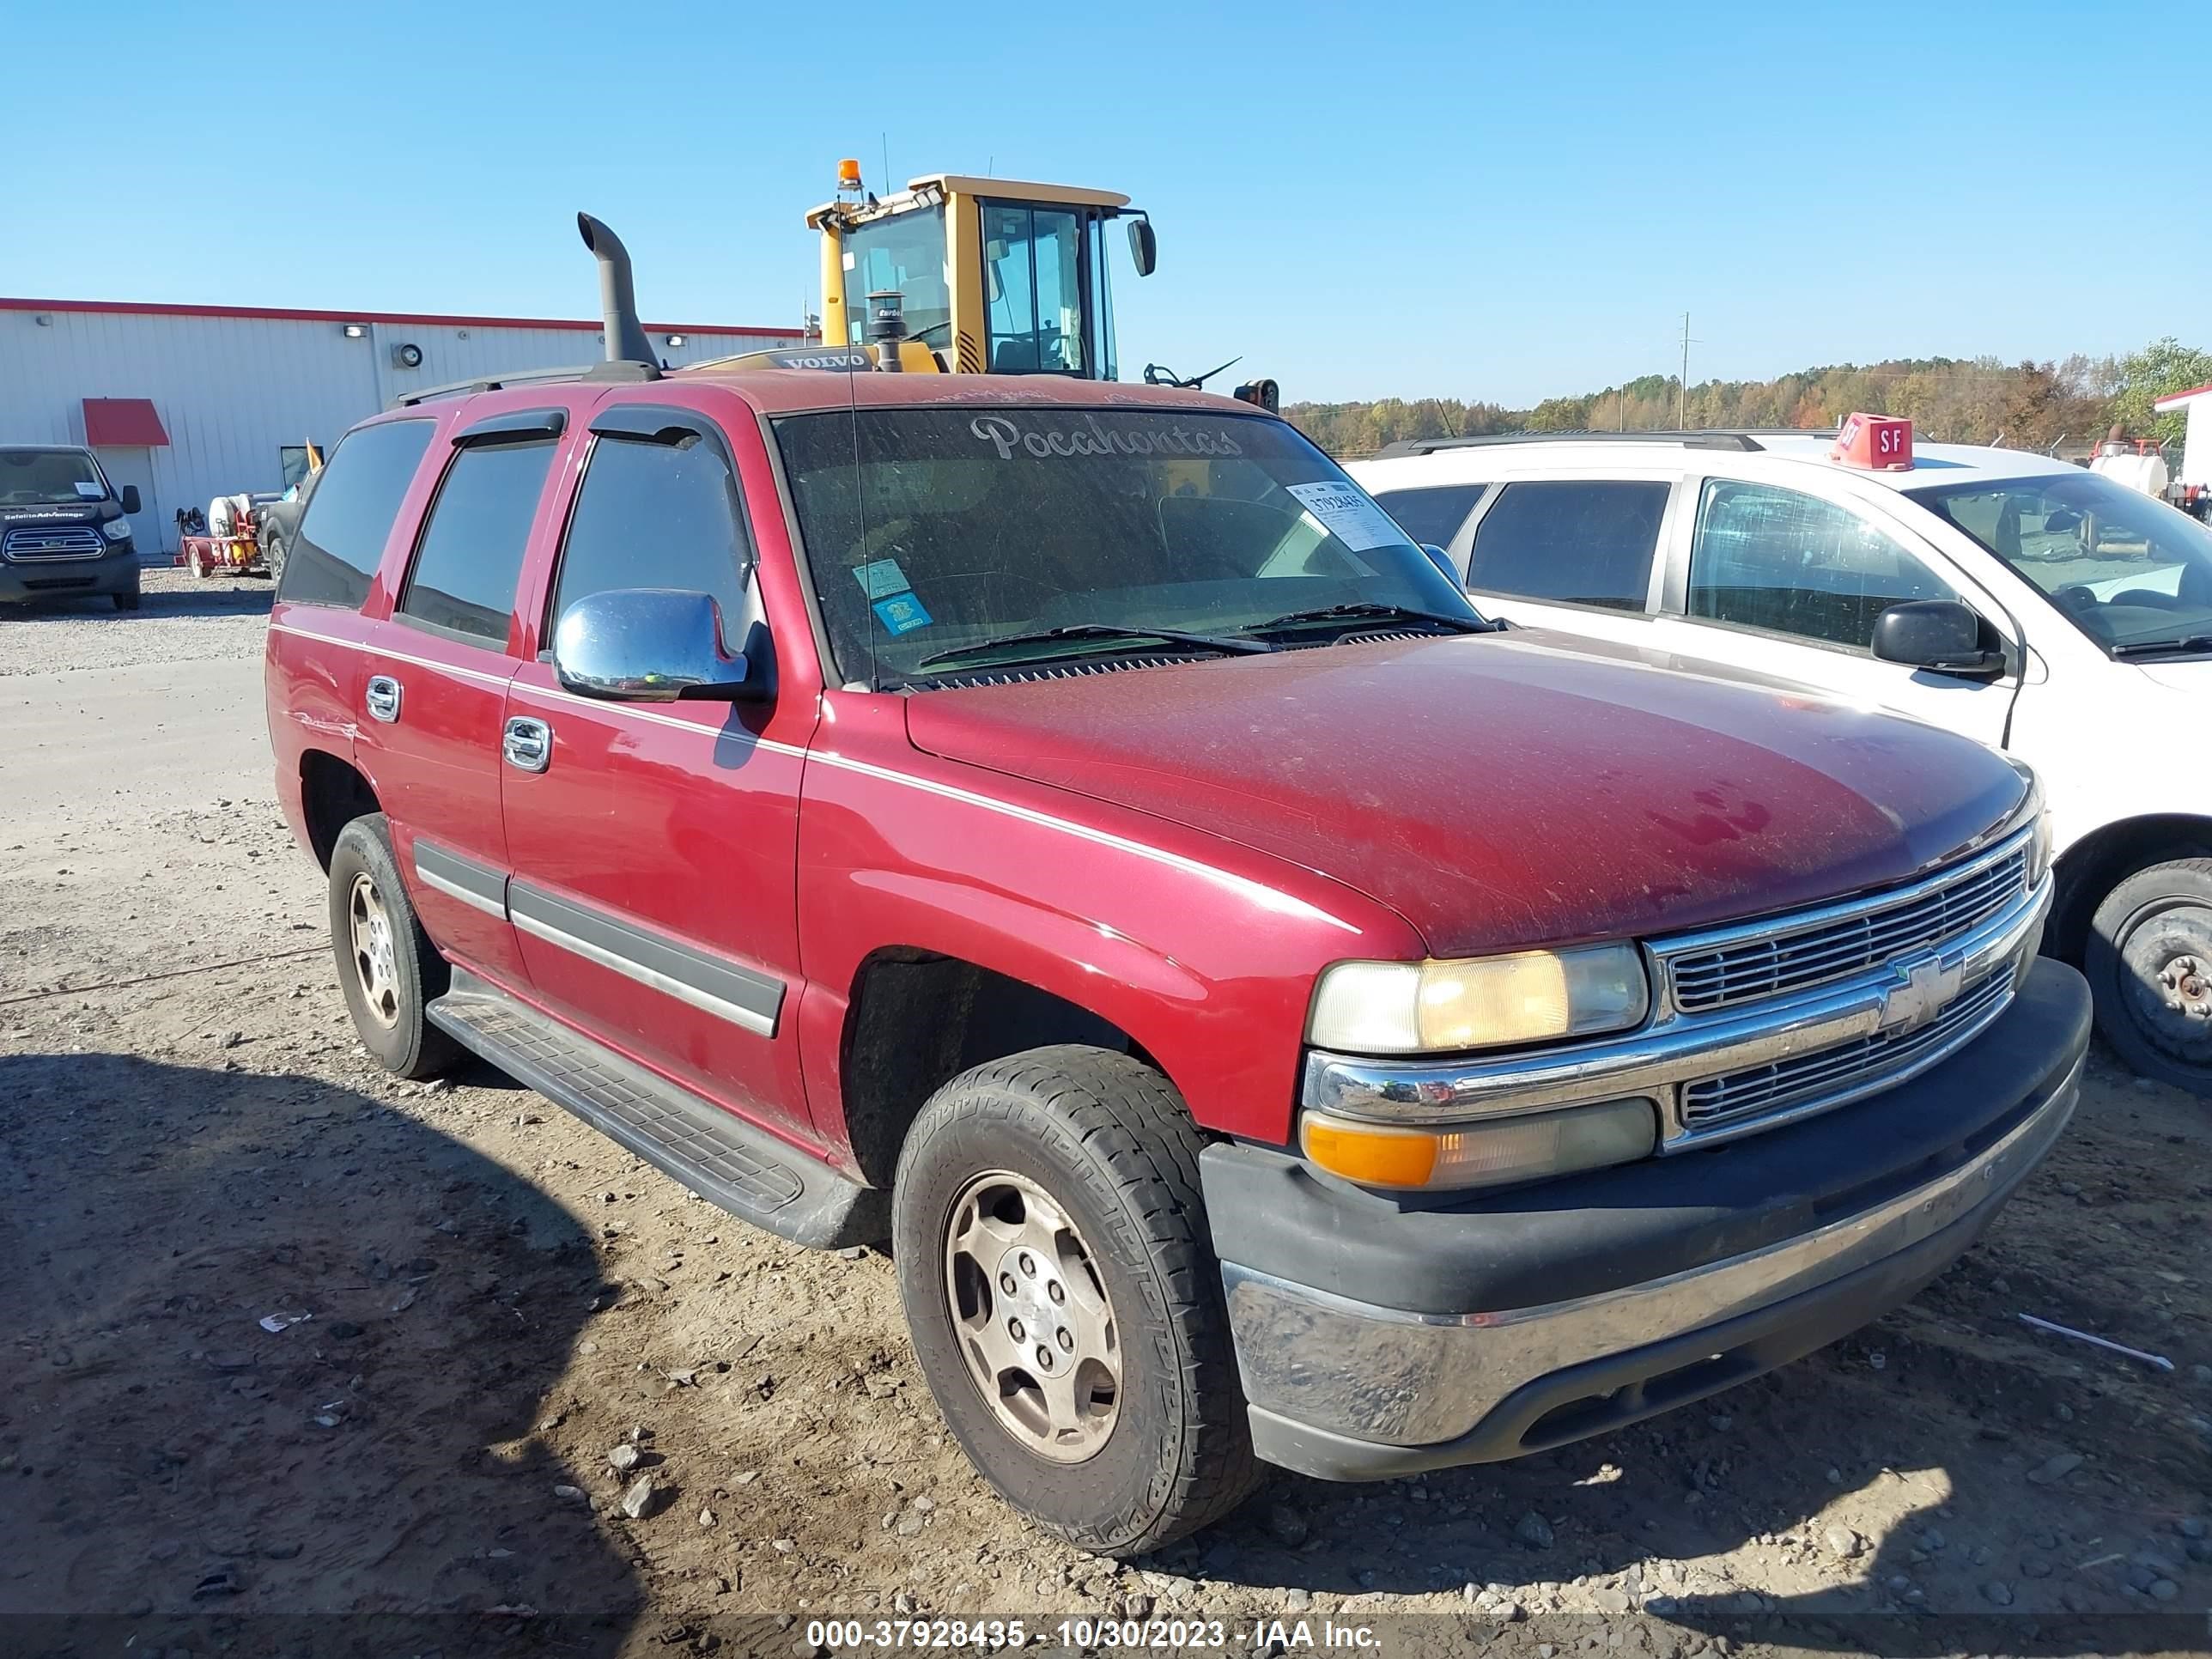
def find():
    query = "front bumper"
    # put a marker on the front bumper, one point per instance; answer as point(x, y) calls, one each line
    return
point(1379, 1336)
point(115, 571)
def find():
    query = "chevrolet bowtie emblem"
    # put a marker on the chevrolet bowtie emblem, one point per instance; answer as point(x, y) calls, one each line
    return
point(1926, 985)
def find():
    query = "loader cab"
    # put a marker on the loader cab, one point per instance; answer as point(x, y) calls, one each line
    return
point(996, 275)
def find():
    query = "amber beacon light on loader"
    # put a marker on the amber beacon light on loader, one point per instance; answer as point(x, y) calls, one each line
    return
point(976, 276)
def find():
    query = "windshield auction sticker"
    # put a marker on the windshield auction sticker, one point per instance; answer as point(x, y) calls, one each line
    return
point(1349, 516)
point(881, 579)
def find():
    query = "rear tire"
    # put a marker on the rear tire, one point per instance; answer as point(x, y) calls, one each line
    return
point(2149, 958)
point(388, 967)
point(1070, 1174)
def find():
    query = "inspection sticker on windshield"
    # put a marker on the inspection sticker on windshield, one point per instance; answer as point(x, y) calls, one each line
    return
point(91, 492)
point(881, 579)
point(1348, 515)
point(901, 613)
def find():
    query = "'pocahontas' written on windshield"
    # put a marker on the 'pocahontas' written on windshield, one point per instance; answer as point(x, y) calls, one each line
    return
point(1085, 436)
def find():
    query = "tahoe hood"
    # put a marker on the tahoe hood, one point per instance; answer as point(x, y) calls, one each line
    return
point(1504, 790)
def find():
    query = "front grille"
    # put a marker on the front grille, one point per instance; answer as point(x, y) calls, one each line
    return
point(69, 541)
point(1832, 1076)
point(1931, 914)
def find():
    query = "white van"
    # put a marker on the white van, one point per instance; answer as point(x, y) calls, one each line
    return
point(2025, 601)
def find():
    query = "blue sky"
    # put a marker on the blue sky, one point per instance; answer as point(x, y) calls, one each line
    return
point(1464, 200)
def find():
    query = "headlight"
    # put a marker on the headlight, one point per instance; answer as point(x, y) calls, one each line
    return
point(117, 530)
point(1491, 1153)
point(2038, 842)
point(2038, 846)
point(1480, 1002)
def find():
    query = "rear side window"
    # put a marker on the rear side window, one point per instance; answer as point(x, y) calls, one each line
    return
point(654, 515)
point(342, 537)
point(470, 555)
point(1573, 541)
point(1435, 514)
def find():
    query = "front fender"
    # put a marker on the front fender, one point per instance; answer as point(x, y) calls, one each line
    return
point(1203, 951)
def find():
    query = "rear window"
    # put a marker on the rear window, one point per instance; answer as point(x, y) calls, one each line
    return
point(1573, 541)
point(1434, 515)
point(349, 516)
point(470, 558)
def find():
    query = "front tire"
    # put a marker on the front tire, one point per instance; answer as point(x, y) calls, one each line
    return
point(1064, 1300)
point(388, 967)
point(2150, 962)
point(126, 601)
point(274, 555)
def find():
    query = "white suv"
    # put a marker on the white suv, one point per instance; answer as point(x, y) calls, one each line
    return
point(2055, 614)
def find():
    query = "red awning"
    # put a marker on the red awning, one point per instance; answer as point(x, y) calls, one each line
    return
point(124, 422)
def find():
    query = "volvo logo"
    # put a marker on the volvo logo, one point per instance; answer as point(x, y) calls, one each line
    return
point(1926, 985)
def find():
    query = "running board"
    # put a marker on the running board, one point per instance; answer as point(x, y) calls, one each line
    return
point(717, 1154)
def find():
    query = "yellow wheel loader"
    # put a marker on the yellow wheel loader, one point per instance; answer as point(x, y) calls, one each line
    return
point(972, 276)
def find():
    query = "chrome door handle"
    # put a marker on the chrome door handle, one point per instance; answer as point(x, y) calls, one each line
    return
point(382, 698)
point(527, 744)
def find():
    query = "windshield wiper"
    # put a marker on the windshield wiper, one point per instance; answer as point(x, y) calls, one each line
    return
point(2182, 646)
point(1076, 632)
point(1367, 611)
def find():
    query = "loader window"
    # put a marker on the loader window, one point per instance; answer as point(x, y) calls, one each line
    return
point(905, 251)
point(1033, 285)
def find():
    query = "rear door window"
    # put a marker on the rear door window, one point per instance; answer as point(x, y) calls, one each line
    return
point(1570, 541)
point(1433, 514)
point(1791, 563)
point(471, 555)
point(349, 517)
point(656, 514)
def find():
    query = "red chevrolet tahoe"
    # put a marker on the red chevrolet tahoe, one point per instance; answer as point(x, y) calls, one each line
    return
point(1065, 830)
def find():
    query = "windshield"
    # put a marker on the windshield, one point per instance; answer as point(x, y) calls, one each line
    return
point(906, 251)
point(2128, 571)
point(47, 478)
point(933, 529)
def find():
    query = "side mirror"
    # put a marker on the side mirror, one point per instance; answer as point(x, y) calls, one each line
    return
point(129, 497)
point(1441, 560)
point(2060, 521)
point(651, 645)
point(1144, 246)
point(1940, 635)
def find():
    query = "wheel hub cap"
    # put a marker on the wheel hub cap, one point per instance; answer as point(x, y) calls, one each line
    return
point(1031, 1316)
point(375, 963)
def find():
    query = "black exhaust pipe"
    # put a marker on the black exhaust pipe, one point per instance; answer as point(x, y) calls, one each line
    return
point(626, 341)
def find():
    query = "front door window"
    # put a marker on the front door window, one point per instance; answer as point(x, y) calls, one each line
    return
point(1790, 563)
point(1033, 282)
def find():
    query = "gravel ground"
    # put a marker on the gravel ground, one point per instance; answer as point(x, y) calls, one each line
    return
point(514, 1323)
point(179, 619)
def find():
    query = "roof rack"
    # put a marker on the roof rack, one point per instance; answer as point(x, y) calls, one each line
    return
point(1716, 440)
point(620, 373)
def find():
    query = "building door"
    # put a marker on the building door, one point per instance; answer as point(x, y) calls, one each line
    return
point(149, 527)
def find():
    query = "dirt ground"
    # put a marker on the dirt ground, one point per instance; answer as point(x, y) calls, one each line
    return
point(502, 1306)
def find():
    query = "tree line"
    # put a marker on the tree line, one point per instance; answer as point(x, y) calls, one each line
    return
point(2062, 406)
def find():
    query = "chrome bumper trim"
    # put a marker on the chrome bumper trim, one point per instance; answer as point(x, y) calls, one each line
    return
point(1409, 1379)
point(1676, 1049)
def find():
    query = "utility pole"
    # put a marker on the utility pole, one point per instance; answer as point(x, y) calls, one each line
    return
point(1682, 404)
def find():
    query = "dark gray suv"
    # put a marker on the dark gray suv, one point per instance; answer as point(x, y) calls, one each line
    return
point(64, 528)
